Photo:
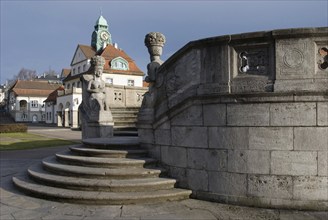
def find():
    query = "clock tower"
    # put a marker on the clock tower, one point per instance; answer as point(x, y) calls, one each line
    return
point(101, 36)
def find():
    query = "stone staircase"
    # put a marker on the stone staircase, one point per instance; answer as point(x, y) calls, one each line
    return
point(101, 171)
point(125, 117)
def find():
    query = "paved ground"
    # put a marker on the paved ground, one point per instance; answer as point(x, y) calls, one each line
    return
point(15, 205)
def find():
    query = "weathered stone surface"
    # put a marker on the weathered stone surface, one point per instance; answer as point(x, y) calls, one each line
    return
point(163, 137)
point(291, 85)
point(249, 161)
point(293, 163)
point(294, 58)
point(174, 156)
point(323, 163)
point(311, 138)
point(190, 137)
point(179, 174)
point(201, 180)
point(146, 136)
point(227, 183)
point(248, 114)
point(322, 113)
point(190, 116)
point(228, 138)
point(215, 160)
point(270, 186)
point(310, 188)
point(214, 114)
point(271, 138)
point(237, 161)
point(264, 115)
point(197, 158)
point(258, 162)
point(293, 114)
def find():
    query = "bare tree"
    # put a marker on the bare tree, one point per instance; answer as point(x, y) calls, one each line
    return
point(26, 74)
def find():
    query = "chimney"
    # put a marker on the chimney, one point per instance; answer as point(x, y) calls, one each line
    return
point(116, 45)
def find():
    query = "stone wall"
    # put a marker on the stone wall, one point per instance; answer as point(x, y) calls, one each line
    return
point(243, 119)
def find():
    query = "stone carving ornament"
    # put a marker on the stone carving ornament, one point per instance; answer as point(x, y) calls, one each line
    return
point(323, 64)
point(154, 41)
point(96, 86)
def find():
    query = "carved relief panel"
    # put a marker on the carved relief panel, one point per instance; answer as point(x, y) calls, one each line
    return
point(252, 67)
point(321, 54)
point(293, 57)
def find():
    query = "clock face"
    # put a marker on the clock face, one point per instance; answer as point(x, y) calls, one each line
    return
point(104, 35)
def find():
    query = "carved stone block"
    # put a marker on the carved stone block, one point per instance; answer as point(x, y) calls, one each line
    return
point(294, 58)
point(252, 67)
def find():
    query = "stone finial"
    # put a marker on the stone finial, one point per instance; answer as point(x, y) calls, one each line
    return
point(155, 41)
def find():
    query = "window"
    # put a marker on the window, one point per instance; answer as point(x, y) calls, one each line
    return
point(130, 82)
point(68, 86)
point(78, 84)
point(84, 67)
point(73, 71)
point(73, 85)
point(34, 103)
point(78, 69)
point(119, 64)
point(49, 115)
point(23, 105)
point(109, 81)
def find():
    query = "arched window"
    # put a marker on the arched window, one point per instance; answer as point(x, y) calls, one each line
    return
point(119, 63)
point(23, 105)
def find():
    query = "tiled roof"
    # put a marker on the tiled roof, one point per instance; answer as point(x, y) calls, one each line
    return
point(110, 52)
point(70, 77)
point(52, 97)
point(88, 51)
point(33, 88)
point(65, 72)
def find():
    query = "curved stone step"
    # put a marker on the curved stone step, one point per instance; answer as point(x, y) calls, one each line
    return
point(116, 142)
point(124, 185)
point(52, 165)
point(97, 197)
point(108, 153)
point(67, 158)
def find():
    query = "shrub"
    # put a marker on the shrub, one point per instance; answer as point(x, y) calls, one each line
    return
point(11, 128)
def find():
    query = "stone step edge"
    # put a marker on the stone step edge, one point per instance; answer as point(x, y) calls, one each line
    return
point(97, 197)
point(108, 152)
point(52, 165)
point(116, 141)
point(65, 157)
point(36, 173)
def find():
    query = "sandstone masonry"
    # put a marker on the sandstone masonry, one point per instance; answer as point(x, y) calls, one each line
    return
point(243, 119)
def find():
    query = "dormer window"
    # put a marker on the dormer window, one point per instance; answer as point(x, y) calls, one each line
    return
point(119, 64)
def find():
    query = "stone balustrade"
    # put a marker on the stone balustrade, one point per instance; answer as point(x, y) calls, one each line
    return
point(243, 119)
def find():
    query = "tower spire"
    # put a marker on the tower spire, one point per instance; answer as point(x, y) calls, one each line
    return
point(101, 35)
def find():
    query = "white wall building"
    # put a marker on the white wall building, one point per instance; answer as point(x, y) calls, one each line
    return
point(26, 100)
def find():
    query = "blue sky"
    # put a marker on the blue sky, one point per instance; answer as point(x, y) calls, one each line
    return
point(40, 35)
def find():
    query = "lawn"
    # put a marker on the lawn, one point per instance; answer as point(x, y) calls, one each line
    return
point(21, 141)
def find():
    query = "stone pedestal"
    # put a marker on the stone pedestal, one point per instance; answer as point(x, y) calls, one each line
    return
point(101, 128)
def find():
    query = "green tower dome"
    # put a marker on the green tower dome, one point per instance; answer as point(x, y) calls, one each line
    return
point(101, 21)
point(101, 35)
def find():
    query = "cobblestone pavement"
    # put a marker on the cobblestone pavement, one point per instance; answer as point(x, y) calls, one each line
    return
point(16, 205)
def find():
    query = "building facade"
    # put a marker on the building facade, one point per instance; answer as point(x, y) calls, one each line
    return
point(26, 100)
point(119, 70)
